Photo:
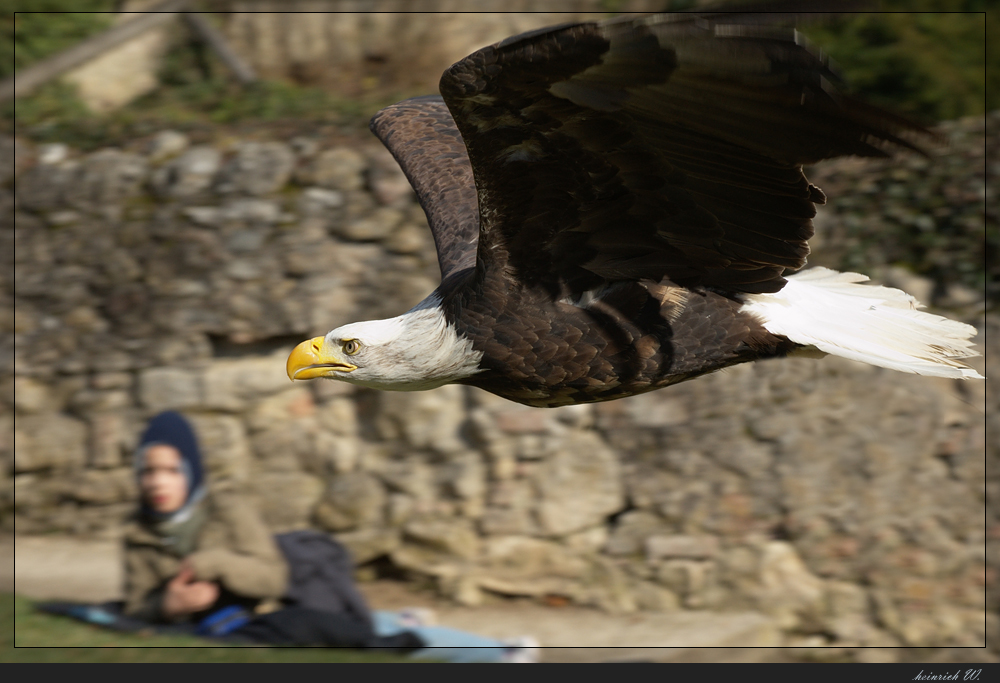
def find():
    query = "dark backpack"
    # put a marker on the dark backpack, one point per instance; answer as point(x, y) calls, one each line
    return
point(321, 574)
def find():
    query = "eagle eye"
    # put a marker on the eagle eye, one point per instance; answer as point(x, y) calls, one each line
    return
point(351, 346)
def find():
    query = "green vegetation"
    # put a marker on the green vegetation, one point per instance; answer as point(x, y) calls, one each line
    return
point(55, 114)
point(38, 637)
point(927, 61)
point(43, 27)
point(927, 58)
point(220, 101)
point(197, 89)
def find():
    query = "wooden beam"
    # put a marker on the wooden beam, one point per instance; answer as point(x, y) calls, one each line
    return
point(204, 29)
point(41, 72)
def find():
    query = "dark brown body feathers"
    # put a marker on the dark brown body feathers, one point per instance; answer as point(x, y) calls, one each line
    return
point(638, 337)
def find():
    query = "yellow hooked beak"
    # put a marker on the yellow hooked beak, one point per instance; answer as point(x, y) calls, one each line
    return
point(313, 358)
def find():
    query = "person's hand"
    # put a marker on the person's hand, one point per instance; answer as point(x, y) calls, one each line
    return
point(184, 595)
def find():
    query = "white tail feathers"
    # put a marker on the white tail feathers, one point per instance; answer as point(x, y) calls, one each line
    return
point(869, 323)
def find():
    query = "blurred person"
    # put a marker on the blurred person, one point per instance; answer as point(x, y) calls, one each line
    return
point(188, 551)
point(207, 562)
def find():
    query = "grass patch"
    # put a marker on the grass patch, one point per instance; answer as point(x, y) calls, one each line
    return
point(55, 114)
point(33, 637)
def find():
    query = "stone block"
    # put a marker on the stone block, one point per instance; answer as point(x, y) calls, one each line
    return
point(425, 419)
point(166, 388)
point(464, 476)
point(424, 560)
point(560, 591)
point(319, 201)
point(688, 547)
point(631, 531)
point(386, 179)
point(230, 384)
point(451, 536)
point(286, 500)
point(336, 415)
point(286, 409)
point(31, 396)
point(352, 500)
point(400, 507)
point(692, 580)
point(205, 216)
point(105, 178)
point(187, 175)
point(657, 410)
point(49, 441)
point(366, 545)
point(588, 541)
point(579, 486)
point(338, 169)
point(257, 168)
point(503, 521)
point(243, 270)
point(410, 475)
point(252, 211)
point(310, 259)
point(503, 462)
point(34, 494)
point(462, 589)
point(788, 590)
point(281, 450)
point(90, 400)
point(109, 439)
point(17, 150)
point(650, 597)
point(166, 144)
point(224, 446)
point(41, 188)
point(377, 225)
point(6, 443)
point(608, 588)
point(747, 458)
point(409, 238)
point(111, 380)
point(332, 454)
point(523, 556)
point(103, 487)
point(522, 421)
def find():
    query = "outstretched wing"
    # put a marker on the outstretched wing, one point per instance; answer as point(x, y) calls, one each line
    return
point(659, 146)
point(422, 136)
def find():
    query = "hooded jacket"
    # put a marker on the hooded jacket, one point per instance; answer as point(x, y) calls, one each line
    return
point(220, 535)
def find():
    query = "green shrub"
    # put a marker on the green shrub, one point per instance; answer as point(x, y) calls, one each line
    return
point(34, 29)
point(926, 59)
point(930, 64)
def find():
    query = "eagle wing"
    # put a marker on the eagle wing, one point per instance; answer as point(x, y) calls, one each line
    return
point(665, 146)
point(422, 136)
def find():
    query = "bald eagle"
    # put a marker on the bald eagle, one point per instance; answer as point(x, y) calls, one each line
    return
point(620, 206)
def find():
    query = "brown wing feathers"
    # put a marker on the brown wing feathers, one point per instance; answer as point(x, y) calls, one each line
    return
point(422, 136)
point(650, 148)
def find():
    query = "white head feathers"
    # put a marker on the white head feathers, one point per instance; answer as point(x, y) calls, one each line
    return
point(414, 351)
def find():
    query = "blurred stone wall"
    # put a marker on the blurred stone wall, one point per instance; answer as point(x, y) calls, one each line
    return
point(846, 500)
point(401, 45)
point(354, 47)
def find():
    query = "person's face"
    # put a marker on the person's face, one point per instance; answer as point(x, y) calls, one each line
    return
point(164, 486)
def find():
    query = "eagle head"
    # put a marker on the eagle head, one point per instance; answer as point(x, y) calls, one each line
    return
point(414, 351)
